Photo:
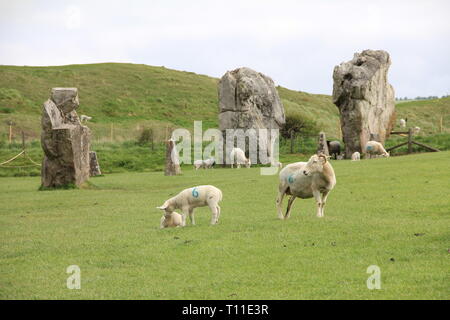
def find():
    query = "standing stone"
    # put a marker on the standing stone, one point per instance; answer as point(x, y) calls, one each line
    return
point(94, 166)
point(64, 140)
point(249, 100)
point(323, 146)
point(365, 99)
point(172, 159)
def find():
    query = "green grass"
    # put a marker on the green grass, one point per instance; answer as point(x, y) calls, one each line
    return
point(393, 213)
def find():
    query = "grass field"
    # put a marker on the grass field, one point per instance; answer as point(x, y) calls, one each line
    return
point(393, 213)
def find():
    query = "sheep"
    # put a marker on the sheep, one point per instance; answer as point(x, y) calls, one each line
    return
point(416, 130)
point(238, 156)
point(402, 123)
point(356, 156)
point(334, 148)
point(173, 219)
point(305, 180)
point(205, 164)
point(85, 118)
point(209, 163)
point(340, 156)
point(374, 148)
point(191, 198)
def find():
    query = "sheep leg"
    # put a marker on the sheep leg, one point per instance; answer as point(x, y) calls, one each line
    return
point(183, 216)
point(318, 197)
point(289, 207)
point(324, 200)
point(191, 216)
point(214, 211)
point(280, 198)
point(218, 213)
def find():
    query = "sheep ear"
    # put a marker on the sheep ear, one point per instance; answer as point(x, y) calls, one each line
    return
point(162, 207)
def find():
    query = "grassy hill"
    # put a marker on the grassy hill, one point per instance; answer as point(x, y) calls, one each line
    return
point(132, 96)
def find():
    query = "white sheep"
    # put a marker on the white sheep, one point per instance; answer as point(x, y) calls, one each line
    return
point(191, 198)
point(304, 180)
point(205, 164)
point(356, 156)
point(198, 164)
point(416, 130)
point(374, 148)
point(402, 123)
point(85, 118)
point(171, 220)
point(340, 157)
point(237, 156)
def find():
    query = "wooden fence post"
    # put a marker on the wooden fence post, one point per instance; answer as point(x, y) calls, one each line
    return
point(292, 141)
point(410, 140)
point(441, 124)
point(10, 133)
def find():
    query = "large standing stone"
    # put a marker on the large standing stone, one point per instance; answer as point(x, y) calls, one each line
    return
point(249, 100)
point(64, 140)
point(365, 99)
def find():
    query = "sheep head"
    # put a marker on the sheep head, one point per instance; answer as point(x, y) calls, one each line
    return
point(315, 164)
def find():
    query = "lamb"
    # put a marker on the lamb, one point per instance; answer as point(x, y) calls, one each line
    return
point(191, 198)
point(374, 148)
point(402, 123)
point(205, 164)
point(416, 130)
point(85, 118)
point(334, 148)
point(356, 156)
point(238, 156)
point(171, 220)
point(305, 180)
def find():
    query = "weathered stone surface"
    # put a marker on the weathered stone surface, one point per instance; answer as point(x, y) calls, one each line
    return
point(64, 140)
point(249, 100)
point(94, 166)
point(172, 159)
point(322, 147)
point(365, 99)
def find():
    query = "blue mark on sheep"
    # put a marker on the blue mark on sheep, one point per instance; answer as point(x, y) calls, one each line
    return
point(195, 193)
point(368, 148)
point(290, 178)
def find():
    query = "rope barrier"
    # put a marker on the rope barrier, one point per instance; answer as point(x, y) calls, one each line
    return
point(23, 151)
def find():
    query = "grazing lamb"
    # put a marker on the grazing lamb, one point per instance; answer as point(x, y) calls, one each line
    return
point(334, 148)
point(374, 148)
point(416, 130)
point(191, 198)
point(304, 180)
point(402, 123)
point(171, 220)
point(209, 163)
point(356, 156)
point(340, 157)
point(198, 164)
point(237, 157)
point(85, 118)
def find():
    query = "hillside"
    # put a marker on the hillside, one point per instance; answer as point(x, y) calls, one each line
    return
point(125, 98)
point(131, 96)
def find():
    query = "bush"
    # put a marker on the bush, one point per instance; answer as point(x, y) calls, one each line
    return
point(299, 124)
point(146, 137)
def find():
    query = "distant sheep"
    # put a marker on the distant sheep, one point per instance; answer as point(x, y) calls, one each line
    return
point(416, 130)
point(237, 156)
point(402, 123)
point(356, 156)
point(334, 148)
point(85, 118)
point(373, 149)
point(191, 198)
point(205, 164)
point(171, 220)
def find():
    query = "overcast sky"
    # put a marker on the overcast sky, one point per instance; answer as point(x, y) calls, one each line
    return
point(297, 43)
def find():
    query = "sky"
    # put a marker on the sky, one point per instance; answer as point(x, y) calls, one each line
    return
point(296, 43)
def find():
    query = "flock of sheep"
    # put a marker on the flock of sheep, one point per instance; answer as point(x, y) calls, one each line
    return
point(315, 178)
